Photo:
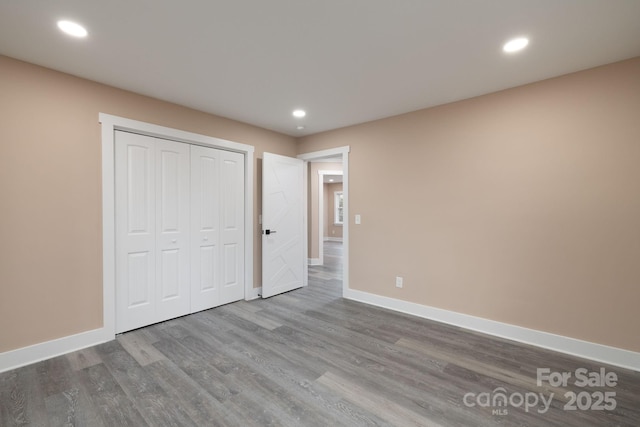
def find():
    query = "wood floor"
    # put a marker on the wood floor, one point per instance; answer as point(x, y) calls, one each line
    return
point(306, 358)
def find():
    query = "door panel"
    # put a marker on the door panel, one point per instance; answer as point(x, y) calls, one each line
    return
point(138, 285)
point(207, 182)
point(139, 188)
point(170, 183)
point(217, 191)
point(170, 274)
point(232, 227)
point(208, 268)
point(283, 251)
point(230, 266)
point(135, 231)
point(172, 240)
point(205, 235)
point(152, 230)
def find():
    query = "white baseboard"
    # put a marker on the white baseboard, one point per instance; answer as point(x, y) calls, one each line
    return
point(588, 350)
point(35, 353)
point(315, 261)
point(333, 239)
point(42, 351)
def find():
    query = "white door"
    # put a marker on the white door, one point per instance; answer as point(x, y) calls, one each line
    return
point(205, 220)
point(152, 199)
point(217, 227)
point(172, 229)
point(179, 229)
point(232, 227)
point(283, 225)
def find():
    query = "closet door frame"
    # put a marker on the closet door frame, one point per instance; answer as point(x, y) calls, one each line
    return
point(112, 123)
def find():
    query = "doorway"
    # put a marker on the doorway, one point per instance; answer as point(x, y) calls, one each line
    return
point(328, 251)
point(327, 203)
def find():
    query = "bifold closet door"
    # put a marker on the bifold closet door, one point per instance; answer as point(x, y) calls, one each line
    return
point(152, 230)
point(217, 227)
point(232, 227)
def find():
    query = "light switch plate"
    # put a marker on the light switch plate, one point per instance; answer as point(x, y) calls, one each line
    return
point(399, 282)
point(358, 220)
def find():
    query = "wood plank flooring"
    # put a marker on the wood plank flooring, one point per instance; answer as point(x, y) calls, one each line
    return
point(306, 358)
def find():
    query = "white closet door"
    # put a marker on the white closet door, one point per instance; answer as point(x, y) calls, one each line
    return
point(217, 227)
point(172, 229)
point(232, 227)
point(152, 230)
point(205, 223)
point(135, 231)
point(179, 229)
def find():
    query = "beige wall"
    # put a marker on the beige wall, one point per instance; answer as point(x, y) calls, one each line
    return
point(521, 206)
point(50, 194)
point(313, 220)
point(330, 229)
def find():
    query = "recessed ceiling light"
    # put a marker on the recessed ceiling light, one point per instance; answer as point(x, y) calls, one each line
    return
point(515, 45)
point(300, 127)
point(299, 113)
point(73, 29)
point(331, 180)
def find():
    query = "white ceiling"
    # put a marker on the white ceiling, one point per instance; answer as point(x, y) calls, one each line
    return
point(331, 179)
point(344, 61)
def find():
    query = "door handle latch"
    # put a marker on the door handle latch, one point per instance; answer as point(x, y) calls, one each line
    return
point(267, 232)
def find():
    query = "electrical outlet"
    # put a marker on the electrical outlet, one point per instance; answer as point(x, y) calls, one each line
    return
point(399, 282)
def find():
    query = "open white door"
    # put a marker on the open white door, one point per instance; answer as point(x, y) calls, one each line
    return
point(283, 224)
